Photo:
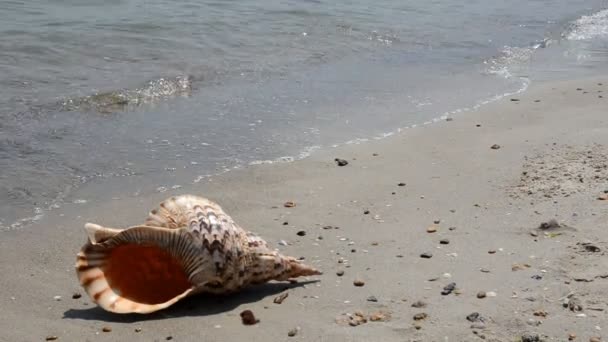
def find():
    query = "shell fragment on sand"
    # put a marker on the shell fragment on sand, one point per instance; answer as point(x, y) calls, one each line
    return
point(187, 245)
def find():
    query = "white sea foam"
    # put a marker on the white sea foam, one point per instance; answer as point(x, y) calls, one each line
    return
point(589, 27)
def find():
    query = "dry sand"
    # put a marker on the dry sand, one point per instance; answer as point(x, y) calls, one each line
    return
point(551, 164)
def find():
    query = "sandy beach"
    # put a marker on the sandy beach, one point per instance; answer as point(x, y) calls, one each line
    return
point(474, 191)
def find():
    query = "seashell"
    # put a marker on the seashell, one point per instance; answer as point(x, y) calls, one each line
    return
point(188, 245)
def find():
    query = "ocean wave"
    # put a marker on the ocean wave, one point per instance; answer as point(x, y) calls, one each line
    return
point(512, 58)
point(120, 100)
point(588, 27)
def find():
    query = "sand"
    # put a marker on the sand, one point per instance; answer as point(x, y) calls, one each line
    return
point(551, 164)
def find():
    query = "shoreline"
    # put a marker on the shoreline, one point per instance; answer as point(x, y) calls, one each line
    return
point(70, 196)
point(451, 174)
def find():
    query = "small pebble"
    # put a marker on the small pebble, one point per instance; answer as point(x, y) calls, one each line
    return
point(491, 251)
point(431, 229)
point(448, 289)
point(530, 338)
point(437, 221)
point(137, 330)
point(379, 316)
point(301, 233)
point(426, 255)
point(169, 338)
point(76, 295)
point(289, 204)
point(571, 336)
point(248, 318)
point(358, 282)
point(341, 162)
point(51, 338)
point(106, 329)
point(420, 316)
point(340, 273)
point(495, 147)
point(293, 332)
point(57, 298)
point(366, 212)
point(481, 294)
point(595, 339)
point(372, 299)
point(444, 241)
point(474, 317)
point(491, 294)
point(280, 298)
point(401, 184)
point(484, 270)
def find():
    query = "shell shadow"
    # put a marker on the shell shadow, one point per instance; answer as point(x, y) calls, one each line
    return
point(199, 305)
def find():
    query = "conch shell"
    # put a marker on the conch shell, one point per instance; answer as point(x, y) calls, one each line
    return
point(188, 245)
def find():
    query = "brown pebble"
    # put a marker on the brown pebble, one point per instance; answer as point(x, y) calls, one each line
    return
point(495, 147)
point(431, 229)
point(417, 326)
point(76, 295)
point(603, 197)
point(540, 313)
point(366, 212)
point(301, 233)
point(379, 316)
point(289, 204)
point(340, 273)
point(571, 336)
point(358, 282)
point(420, 316)
point(491, 251)
point(51, 338)
point(248, 318)
point(519, 267)
point(169, 338)
point(401, 184)
point(444, 241)
point(595, 339)
point(106, 329)
point(481, 294)
point(137, 330)
point(280, 298)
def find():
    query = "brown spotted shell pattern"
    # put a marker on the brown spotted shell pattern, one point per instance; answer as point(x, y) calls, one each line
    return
point(187, 245)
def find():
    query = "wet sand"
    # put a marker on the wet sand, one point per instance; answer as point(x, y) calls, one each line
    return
point(550, 162)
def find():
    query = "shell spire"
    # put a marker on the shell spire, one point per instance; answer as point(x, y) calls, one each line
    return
point(188, 245)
